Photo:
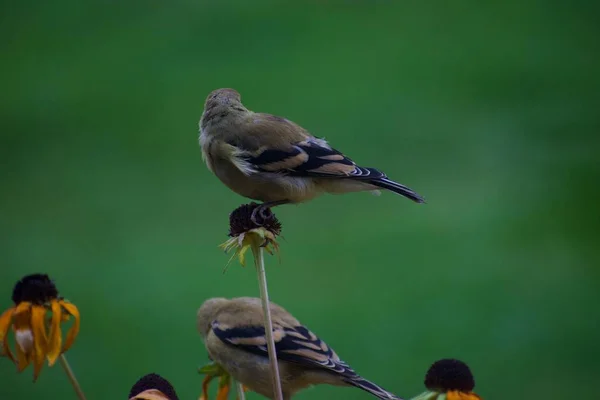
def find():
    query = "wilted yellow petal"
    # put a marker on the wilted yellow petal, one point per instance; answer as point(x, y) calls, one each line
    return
point(22, 308)
point(205, 383)
point(224, 386)
point(223, 392)
point(23, 359)
point(242, 254)
point(240, 239)
point(74, 331)
point(456, 395)
point(150, 394)
point(55, 338)
point(23, 335)
point(253, 239)
point(224, 380)
point(430, 395)
point(5, 320)
point(40, 339)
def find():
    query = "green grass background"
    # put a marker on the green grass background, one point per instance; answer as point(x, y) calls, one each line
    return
point(491, 111)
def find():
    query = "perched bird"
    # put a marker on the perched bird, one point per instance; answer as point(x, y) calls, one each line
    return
point(269, 158)
point(234, 336)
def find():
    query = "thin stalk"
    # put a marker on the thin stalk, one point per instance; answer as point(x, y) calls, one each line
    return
point(240, 391)
point(65, 364)
point(259, 261)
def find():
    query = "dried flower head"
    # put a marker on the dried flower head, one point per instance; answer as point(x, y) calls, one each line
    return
point(36, 288)
point(246, 234)
point(240, 220)
point(449, 374)
point(449, 379)
point(213, 371)
point(152, 387)
point(37, 337)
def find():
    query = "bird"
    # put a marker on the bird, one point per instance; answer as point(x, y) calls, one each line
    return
point(276, 161)
point(234, 337)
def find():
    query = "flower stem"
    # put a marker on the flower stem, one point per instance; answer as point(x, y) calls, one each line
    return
point(240, 391)
point(259, 261)
point(65, 364)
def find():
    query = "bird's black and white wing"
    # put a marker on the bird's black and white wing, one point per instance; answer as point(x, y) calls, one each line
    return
point(310, 158)
point(296, 345)
point(276, 145)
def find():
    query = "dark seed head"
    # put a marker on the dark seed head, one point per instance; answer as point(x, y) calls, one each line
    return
point(449, 374)
point(35, 288)
point(240, 220)
point(153, 381)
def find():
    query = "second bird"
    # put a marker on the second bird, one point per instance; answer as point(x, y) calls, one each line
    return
point(269, 158)
point(234, 336)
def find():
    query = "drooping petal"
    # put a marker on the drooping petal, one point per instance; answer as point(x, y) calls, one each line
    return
point(242, 254)
point(5, 320)
point(74, 331)
point(456, 395)
point(40, 338)
point(453, 395)
point(55, 338)
point(240, 239)
point(23, 335)
point(205, 384)
point(23, 359)
point(224, 386)
point(22, 308)
point(430, 395)
point(223, 393)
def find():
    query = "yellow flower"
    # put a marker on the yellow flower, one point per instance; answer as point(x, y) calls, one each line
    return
point(152, 387)
point(246, 234)
point(449, 379)
point(37, 338)
point(212, 371)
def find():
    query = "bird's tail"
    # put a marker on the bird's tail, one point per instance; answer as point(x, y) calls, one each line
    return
point(395, 187)
point(372, 388)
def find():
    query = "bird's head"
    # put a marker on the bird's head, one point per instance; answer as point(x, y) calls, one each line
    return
point(221, 105)
point(208, 312)
point(222, 97)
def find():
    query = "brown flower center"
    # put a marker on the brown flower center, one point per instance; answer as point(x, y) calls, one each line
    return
point(240, 220)
point(153, 381)
point(449, 374)
point(35, 288)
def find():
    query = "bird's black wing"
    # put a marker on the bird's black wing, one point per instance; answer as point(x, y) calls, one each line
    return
point(310, 158)
point(297, 345)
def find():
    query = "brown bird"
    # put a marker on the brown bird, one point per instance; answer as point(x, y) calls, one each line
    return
point(269, 158)
point(234, 337)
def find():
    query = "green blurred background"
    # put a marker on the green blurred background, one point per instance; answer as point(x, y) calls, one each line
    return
point(492, 112)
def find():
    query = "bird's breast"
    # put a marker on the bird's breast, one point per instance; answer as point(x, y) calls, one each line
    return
point(205, 143)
